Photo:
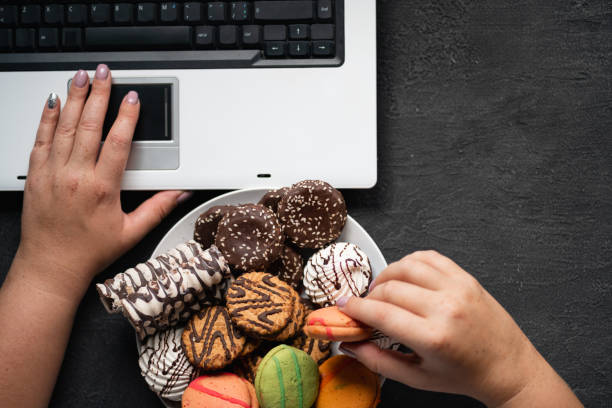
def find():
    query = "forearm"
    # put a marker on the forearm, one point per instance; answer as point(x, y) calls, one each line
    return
point(35, 325)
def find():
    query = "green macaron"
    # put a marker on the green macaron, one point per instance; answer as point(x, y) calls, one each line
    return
point(287, 378)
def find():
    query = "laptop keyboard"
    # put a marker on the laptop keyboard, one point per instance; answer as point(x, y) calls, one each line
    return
point(60, 35)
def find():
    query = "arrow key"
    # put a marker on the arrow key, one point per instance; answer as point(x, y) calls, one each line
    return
point(299, 49)
point(299, 31)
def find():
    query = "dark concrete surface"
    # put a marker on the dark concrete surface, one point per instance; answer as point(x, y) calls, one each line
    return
point(495, 148)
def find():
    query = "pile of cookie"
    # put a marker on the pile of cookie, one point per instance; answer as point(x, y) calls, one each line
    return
point(243, 315)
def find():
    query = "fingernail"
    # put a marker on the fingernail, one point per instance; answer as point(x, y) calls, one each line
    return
point(372, 285)
point(346, 351)
point(80, 78)
point(132, 97)
point(102, 72)
point(52, 100)
point(184, 197)
point(341, 302)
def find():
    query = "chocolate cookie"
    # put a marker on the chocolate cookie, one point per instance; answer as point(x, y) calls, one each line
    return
point(289, 267)
point(312, 213)
point(250, 237)
point(260, 304)
point(272, 197)
point(206, 224)
point(210, 340)
point(319, 350)
point(296, 322)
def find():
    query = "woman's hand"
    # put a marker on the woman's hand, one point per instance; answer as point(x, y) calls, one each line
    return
point(463, 340)
point(72, 224)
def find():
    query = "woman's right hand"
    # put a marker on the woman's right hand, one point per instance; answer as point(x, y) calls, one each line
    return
point(463, 340)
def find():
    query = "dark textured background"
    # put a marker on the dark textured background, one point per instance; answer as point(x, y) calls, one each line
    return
point(495, 147)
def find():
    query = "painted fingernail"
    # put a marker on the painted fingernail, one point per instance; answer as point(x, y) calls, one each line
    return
point(184, 197)
point(52, 100)
point(372, 286)
point(132, 97)
point(80, 78)
point(341, 302)
point(102, 72)
point(346, 351)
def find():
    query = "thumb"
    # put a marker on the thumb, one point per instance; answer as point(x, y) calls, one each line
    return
point(151, 212)
point(403, 367)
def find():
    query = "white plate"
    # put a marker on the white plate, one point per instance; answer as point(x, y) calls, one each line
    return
point(183, 232)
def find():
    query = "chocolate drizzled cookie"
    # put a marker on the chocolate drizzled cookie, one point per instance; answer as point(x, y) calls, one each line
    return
point(272, 197)
point(207, 223)
point(250, 237)
point(312, 213)
point(289, 267)
point(210, 340)
point(319, 350)
point(295, 323)
point(168, 289)
point(260, 304)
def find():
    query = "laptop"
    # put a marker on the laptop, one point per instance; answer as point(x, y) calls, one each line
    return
point(234, 94)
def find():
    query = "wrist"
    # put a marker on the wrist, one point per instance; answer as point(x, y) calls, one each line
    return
point(48, 276)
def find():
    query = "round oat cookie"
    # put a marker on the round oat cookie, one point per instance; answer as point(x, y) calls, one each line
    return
point(210, 340)
point(289, 267)
point(296, 322)
point(206, 224)
point(250, 237)
point(260, 304)
point(312, 213)
point(319, 350)
point(272, 197)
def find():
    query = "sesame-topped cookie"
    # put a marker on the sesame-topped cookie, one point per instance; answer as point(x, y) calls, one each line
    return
point(272, 197)
point(210, 340)
point(250, 237)
point(207, 223)
point(312, 213)
point(289, 267)
point(260, 304)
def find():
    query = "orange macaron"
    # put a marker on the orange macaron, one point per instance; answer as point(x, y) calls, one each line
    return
point(346, 383)
point(224, 390)
point(330, 323)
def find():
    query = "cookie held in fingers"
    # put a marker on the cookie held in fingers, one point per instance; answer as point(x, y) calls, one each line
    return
point(250, 237)
point(330, 323)
point(260, 304)
point(210, 340)
point(207, 223)
point(312, 213)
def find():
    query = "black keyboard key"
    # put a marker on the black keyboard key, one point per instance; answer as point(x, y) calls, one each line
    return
point(284, 10)
point(192, 12)
point(29, 14)
point(53, 14)
point(72, 39)
point(299, 31)
point(135, 38)
point(228, 36)
point(275, 33)
point(25, 38)
point(8, 15)
point(169, 12)
point(48, 38)
point(323, 49)
point(100, 13)
point(146, 13)
point(251, 35)
point(205, 36)
point(217, 11)
point(324, 9)
point(6, 39)
point(76, 14)
point(123, 13)
point(299, 49)
point(276, 49)
point(322, 31)
point(241, 11)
